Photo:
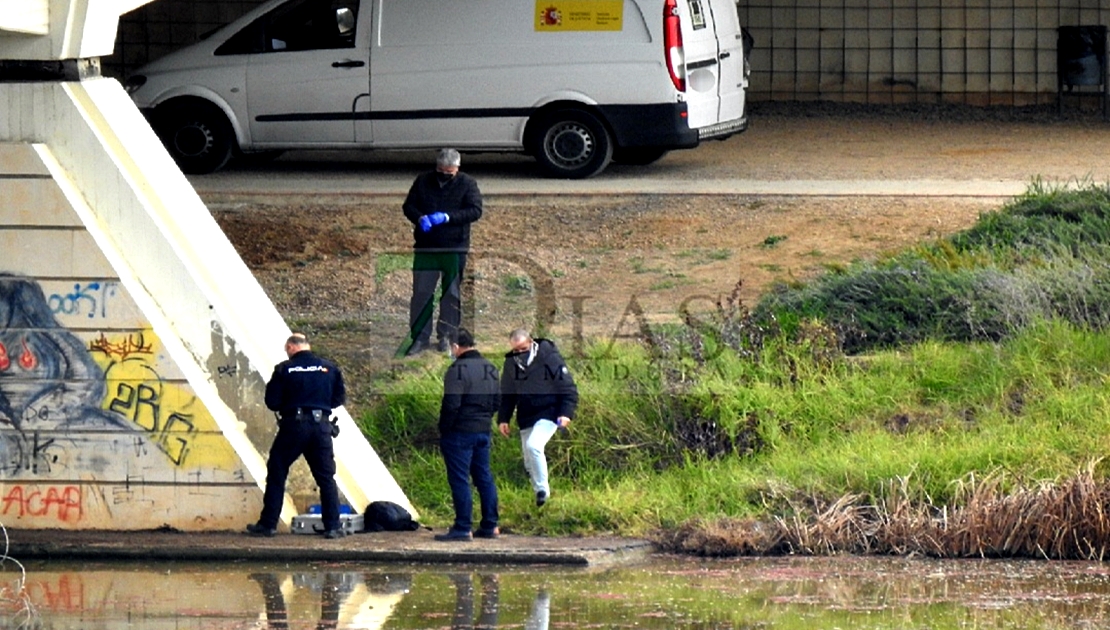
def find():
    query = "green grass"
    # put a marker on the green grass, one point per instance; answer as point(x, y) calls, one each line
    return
point(385, 264)
point(515, 285)
point(982, 353)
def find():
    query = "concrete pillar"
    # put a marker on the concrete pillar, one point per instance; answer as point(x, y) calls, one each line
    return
point(134, 342)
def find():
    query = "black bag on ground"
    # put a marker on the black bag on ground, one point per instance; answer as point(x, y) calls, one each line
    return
point(388, 516)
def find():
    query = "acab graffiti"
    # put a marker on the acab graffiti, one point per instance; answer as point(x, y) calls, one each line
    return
point(60, 502)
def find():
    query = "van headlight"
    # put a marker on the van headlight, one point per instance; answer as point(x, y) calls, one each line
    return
point(134, 82)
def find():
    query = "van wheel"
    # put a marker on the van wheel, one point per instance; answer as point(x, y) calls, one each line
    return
point(572, 144)
point(196, 134)
point(638, 156)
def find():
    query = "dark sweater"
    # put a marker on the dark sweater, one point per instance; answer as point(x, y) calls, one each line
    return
point(543, 389)
point(471, 395)
point(459, 198)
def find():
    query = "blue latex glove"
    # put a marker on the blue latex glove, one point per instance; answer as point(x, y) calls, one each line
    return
point(429, 220)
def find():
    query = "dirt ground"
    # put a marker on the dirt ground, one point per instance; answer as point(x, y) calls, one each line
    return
point(601, 266)
point(608, 260)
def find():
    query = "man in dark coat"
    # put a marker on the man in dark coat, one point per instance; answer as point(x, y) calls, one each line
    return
point(441, 205)
point(536, 384)
point(471, 395)
point(303, 391)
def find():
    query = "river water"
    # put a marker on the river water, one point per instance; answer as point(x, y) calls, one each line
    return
point(664, 592)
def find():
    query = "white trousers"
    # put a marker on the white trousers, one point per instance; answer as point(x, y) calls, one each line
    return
point(532, 442)
point(540, 615)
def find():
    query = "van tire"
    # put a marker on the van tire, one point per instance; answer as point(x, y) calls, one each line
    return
point(196, 134)
point(571, 144)
point(638, 156)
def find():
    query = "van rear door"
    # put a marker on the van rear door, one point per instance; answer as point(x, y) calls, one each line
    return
point(731, 81)
point(714, 60)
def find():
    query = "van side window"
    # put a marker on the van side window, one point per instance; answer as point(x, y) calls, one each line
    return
point(297, 25)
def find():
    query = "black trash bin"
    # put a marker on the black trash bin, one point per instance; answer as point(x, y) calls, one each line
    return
point(1081, 61)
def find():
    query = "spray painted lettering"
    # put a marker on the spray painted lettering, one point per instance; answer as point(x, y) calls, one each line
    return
point(91, 299)
point(62, 502)
point(132, 344)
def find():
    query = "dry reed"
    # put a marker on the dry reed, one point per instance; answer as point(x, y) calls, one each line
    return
point(991, 518)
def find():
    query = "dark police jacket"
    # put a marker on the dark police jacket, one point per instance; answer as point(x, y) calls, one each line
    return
point(305, 381)
point(459, 198)
point(471, 395)
point(542, 389)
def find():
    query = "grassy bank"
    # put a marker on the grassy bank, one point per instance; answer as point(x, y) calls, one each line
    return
point(906, 404)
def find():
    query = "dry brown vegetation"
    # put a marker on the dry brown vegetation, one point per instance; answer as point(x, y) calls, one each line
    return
point(1065, 520)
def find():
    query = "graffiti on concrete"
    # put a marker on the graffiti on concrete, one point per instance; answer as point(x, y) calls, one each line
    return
point(60, 502)
point(138, 392)
point(51, 393)
point(131, 344)
point(95, 409)
point(90, 299)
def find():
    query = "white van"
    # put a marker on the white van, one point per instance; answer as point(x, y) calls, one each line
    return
point(574, 83)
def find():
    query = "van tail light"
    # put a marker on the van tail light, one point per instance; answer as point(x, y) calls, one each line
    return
point(672, 44)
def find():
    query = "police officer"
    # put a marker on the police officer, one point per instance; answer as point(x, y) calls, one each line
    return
point(303, 391)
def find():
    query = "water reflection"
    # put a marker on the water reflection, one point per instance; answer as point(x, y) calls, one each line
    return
point(667, 592)
point(490, 590)
point(346, 599)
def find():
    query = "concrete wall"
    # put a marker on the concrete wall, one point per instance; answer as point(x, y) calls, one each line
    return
point(981, 52)
point(134, 341)
point(99, 425)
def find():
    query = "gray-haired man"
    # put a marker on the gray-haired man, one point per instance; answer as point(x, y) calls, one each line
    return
point(441, 205)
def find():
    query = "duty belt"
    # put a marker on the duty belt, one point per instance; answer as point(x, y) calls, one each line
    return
point(304, 414)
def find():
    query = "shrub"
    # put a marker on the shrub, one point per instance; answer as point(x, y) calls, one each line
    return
point(1046, 255)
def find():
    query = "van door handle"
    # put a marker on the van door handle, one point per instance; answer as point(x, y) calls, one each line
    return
point(725, 55)
point(348, 64)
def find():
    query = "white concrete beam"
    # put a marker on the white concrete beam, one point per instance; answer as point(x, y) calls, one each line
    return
point(200, 298)
point(26, 17)
point(74, 29)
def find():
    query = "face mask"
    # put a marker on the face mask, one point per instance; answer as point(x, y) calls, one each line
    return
point(443, 177)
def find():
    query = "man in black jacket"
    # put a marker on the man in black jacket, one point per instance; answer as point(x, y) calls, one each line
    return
point(441, 205)
point(471, 395)
point(536, 383)
point(303, 391)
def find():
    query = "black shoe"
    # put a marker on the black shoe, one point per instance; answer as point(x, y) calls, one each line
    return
point(488, 533)
point(333, 534)
point(443, 345)
point(416, 348)
point(254, 529)
point(541, 498)
point(453, 535)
